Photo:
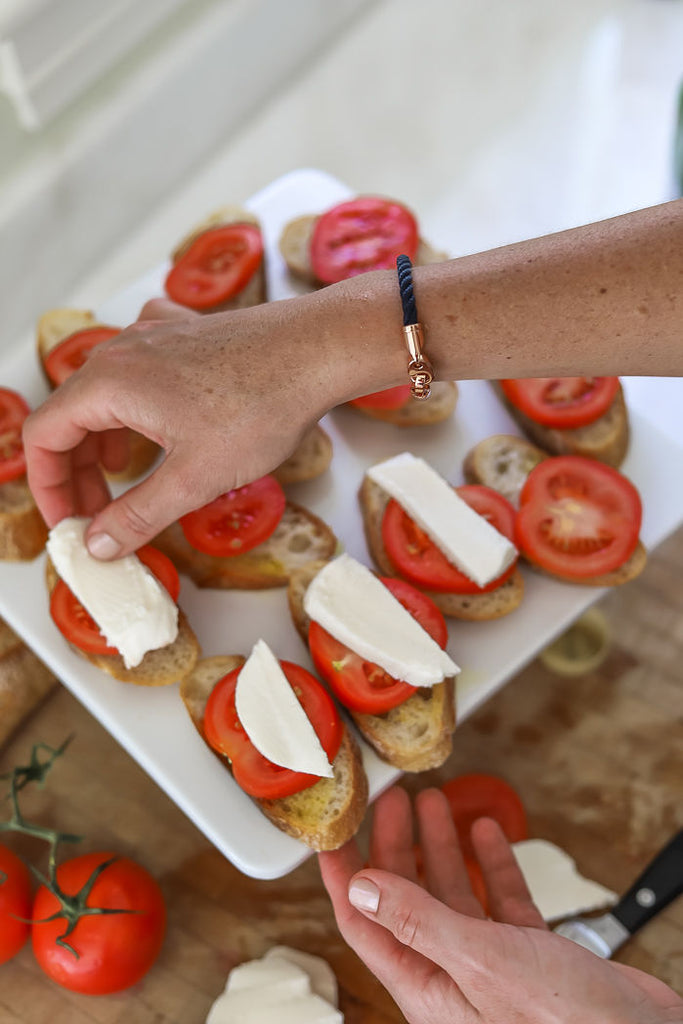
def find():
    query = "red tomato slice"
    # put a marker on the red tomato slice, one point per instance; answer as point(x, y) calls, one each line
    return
point(80, 629)
point(578, 518)
point(216, 266)
point(422, 563)
point(236, 521)
point(114, 951)
point(13, 412)
point(70, 354)
point(392, 398)
point(255, 773)
point(15, 903)
point(360, 235)
point(361, 685)
point(562, 402)
point(484, 796)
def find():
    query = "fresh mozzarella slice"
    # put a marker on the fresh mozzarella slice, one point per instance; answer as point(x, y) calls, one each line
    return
point(273, 718)
point(256, 1007)
point(466, 539)
point(359, 611)
point(322, 977)
point(135, 614)
point(283, 979)
point(556, 887)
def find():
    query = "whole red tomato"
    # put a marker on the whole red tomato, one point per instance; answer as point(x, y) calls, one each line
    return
point(109, 952)
point(15, 902)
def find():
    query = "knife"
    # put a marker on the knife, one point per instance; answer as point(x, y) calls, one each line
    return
point(660, 883)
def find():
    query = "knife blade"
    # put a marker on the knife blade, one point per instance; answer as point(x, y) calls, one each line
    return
point(659, 884)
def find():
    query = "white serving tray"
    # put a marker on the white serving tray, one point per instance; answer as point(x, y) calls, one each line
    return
point(152, 724)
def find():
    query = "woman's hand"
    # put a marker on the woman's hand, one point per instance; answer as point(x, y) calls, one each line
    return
point(442, 961)
point(227, 397)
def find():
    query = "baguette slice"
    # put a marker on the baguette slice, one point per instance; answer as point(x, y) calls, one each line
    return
point(503, 462)
point(162, 667)
point(472, 607)
point(295, 247)
point(416, 735)
point(295, 243)
point(439, 406)
point(254, 292)
point(55, 326)
point(22, 529)
point(300, 537)
point(324, 816)
point(606, 439)
point(24, 682)
point(310, 458)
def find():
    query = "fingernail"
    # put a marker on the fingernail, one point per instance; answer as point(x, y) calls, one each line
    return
point(364, 895)
point(101, 545)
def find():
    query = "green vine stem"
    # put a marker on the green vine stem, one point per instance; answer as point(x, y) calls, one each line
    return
point(71, 907)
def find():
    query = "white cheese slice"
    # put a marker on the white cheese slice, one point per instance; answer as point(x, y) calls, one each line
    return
point(133, 610)
point(466, 539)
point(322, 977)
point(556, 887)
point(255, 1006)
point(274, 973)
point(359, 611)
point(273, 718)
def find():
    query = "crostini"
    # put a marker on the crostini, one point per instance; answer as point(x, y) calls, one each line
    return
point(454, 544)
point(367, 636)
point(121, 616)
point(22, 529)
point(64, 338)
point(250, 538)
point(571, 415)
point(274, 726)
point(362, 234)
point(220, 264)
point(579, 519)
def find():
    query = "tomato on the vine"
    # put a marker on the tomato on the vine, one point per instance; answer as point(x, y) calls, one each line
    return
point(15, 903)
point(109, 952)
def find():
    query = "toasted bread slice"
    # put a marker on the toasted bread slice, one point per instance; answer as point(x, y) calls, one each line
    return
point(162, 667)
point(22, 529)
point(325, 815)
point(24, 682)
point(606, 439)
point(310, 458)
point(295, 246)
point(416, 735)
point(473, 607)
point(415, 413)
point(502, 462)
point(55, 326)
point(254, 292)
point(300, 537)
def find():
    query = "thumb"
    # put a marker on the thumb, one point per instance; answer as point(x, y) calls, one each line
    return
point(455, 942)
point(136, 517)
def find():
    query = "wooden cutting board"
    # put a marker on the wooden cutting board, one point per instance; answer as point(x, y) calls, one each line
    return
point(598, 761)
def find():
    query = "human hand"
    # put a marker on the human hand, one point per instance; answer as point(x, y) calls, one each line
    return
point(226, 396)
point(440, 958)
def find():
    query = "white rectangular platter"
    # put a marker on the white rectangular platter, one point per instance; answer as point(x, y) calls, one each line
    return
point(153, 725)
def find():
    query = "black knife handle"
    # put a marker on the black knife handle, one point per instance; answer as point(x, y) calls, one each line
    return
point(660, 883)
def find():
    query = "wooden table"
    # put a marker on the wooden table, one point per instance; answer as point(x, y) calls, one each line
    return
point(597, 760)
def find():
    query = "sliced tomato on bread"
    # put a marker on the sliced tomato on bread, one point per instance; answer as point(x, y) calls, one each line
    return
point(216, 266)
point(236, 521)
point(70, 354)
point(13, 411)
point(360, 235)
point(561, 402)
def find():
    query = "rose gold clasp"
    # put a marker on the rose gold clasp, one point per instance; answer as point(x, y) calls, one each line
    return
point(419, 368)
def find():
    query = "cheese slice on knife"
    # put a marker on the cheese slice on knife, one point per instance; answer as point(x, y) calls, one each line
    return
point(556, 887)
point(467, 539)
point(273, 718)
point(358, 610)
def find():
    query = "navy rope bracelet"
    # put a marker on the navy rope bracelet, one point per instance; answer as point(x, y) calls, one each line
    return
point(419, 368)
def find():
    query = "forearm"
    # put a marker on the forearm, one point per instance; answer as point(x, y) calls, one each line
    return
point(602, 299)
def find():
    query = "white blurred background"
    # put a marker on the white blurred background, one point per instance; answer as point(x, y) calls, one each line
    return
point(121, 124)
